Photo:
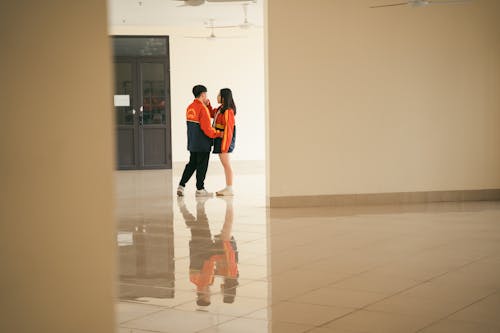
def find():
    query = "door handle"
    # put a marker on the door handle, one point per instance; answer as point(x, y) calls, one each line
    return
point(141, 116)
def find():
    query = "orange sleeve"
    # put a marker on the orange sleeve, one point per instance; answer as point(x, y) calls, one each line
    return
point(206, 125)
point(226, 264)
point(228, 131)
point(212, 110)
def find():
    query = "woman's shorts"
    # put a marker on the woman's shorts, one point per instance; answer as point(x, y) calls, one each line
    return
point(218, 144)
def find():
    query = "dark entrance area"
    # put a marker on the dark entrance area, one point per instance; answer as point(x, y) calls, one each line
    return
point(142, 102)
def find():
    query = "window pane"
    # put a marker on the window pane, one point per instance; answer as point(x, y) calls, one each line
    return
point(139, 46)
point(123, 88)
point(153, 93)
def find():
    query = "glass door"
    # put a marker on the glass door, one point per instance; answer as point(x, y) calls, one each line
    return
point(125, 103)
point(153, 116)
point(142, 102)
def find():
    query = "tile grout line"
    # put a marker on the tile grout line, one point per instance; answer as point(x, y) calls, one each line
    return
point(364, 271)
point(141, 317)
point(455, 312)
point(234, 318)
point(131, 330)
point(398, 293)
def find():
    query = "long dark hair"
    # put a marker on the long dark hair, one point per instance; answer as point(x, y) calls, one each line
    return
point(227, 100)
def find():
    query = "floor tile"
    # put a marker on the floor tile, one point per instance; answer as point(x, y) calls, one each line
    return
point(330, 330)
point(437, 308)
point(376, 283)
point(243, 325)
point(362, 269)
point(486, 311)
point(379, 322)
point(263, 314)
point(451, 326)
point(241, 306)
point(181, 297)
point(295, 282)
point(174, 321)
point(255, 289)
point(132, 330)
point(331, 296)
point(308, 314)
point(129, 311)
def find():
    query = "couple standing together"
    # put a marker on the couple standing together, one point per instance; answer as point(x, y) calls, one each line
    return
point(203, 133)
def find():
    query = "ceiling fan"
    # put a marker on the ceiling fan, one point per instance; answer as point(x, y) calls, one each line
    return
point(194, 3)
point(246, 24)
point(212, 35)
point(420, 3)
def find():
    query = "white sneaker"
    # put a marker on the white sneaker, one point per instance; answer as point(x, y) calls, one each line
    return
point(180, 191)
point(202, 200)
point(204, 193)
point(180, 201)
point(227, 192)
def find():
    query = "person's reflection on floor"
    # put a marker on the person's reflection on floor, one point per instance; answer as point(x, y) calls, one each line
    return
point(210, 257)
point(226, 263)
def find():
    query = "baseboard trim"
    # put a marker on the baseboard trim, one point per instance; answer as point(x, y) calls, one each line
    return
point(384, 198)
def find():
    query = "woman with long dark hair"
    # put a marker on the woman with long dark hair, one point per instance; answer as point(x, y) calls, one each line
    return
point(224, 122)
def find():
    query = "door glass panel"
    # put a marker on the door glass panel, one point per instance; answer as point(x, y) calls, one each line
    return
point(153, 93)
point(123, 100)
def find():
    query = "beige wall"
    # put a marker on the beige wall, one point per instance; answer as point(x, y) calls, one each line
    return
point(235, 63)
point(382, 100)
point(57, 251)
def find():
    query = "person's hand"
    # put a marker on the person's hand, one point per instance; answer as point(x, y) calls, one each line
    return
point(207, 102)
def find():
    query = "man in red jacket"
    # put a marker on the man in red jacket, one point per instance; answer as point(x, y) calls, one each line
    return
point(200, 135)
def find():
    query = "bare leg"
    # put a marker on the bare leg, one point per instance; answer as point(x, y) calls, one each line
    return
point(225, 233)
point(228, 171)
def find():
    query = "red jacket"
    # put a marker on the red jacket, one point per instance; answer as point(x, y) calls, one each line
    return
point(199, 128)
point(224, 265)
point(224, 122)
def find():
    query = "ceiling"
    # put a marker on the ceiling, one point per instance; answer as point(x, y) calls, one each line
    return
point(169, 13)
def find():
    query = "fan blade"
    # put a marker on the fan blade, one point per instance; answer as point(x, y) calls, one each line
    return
point(191, 3)
point(233, 37)
point(225, 26)
point(215, 37)
point(229, 37)
point(391, 5)
point(250, 26)
point(227, 1)
point(447, 1)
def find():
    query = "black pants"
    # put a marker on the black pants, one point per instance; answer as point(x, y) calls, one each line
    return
point(197, 162)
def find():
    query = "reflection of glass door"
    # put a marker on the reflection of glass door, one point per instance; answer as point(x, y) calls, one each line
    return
point(142, 103)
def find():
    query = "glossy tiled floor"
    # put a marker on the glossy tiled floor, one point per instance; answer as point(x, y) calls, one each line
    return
point(421, 268)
